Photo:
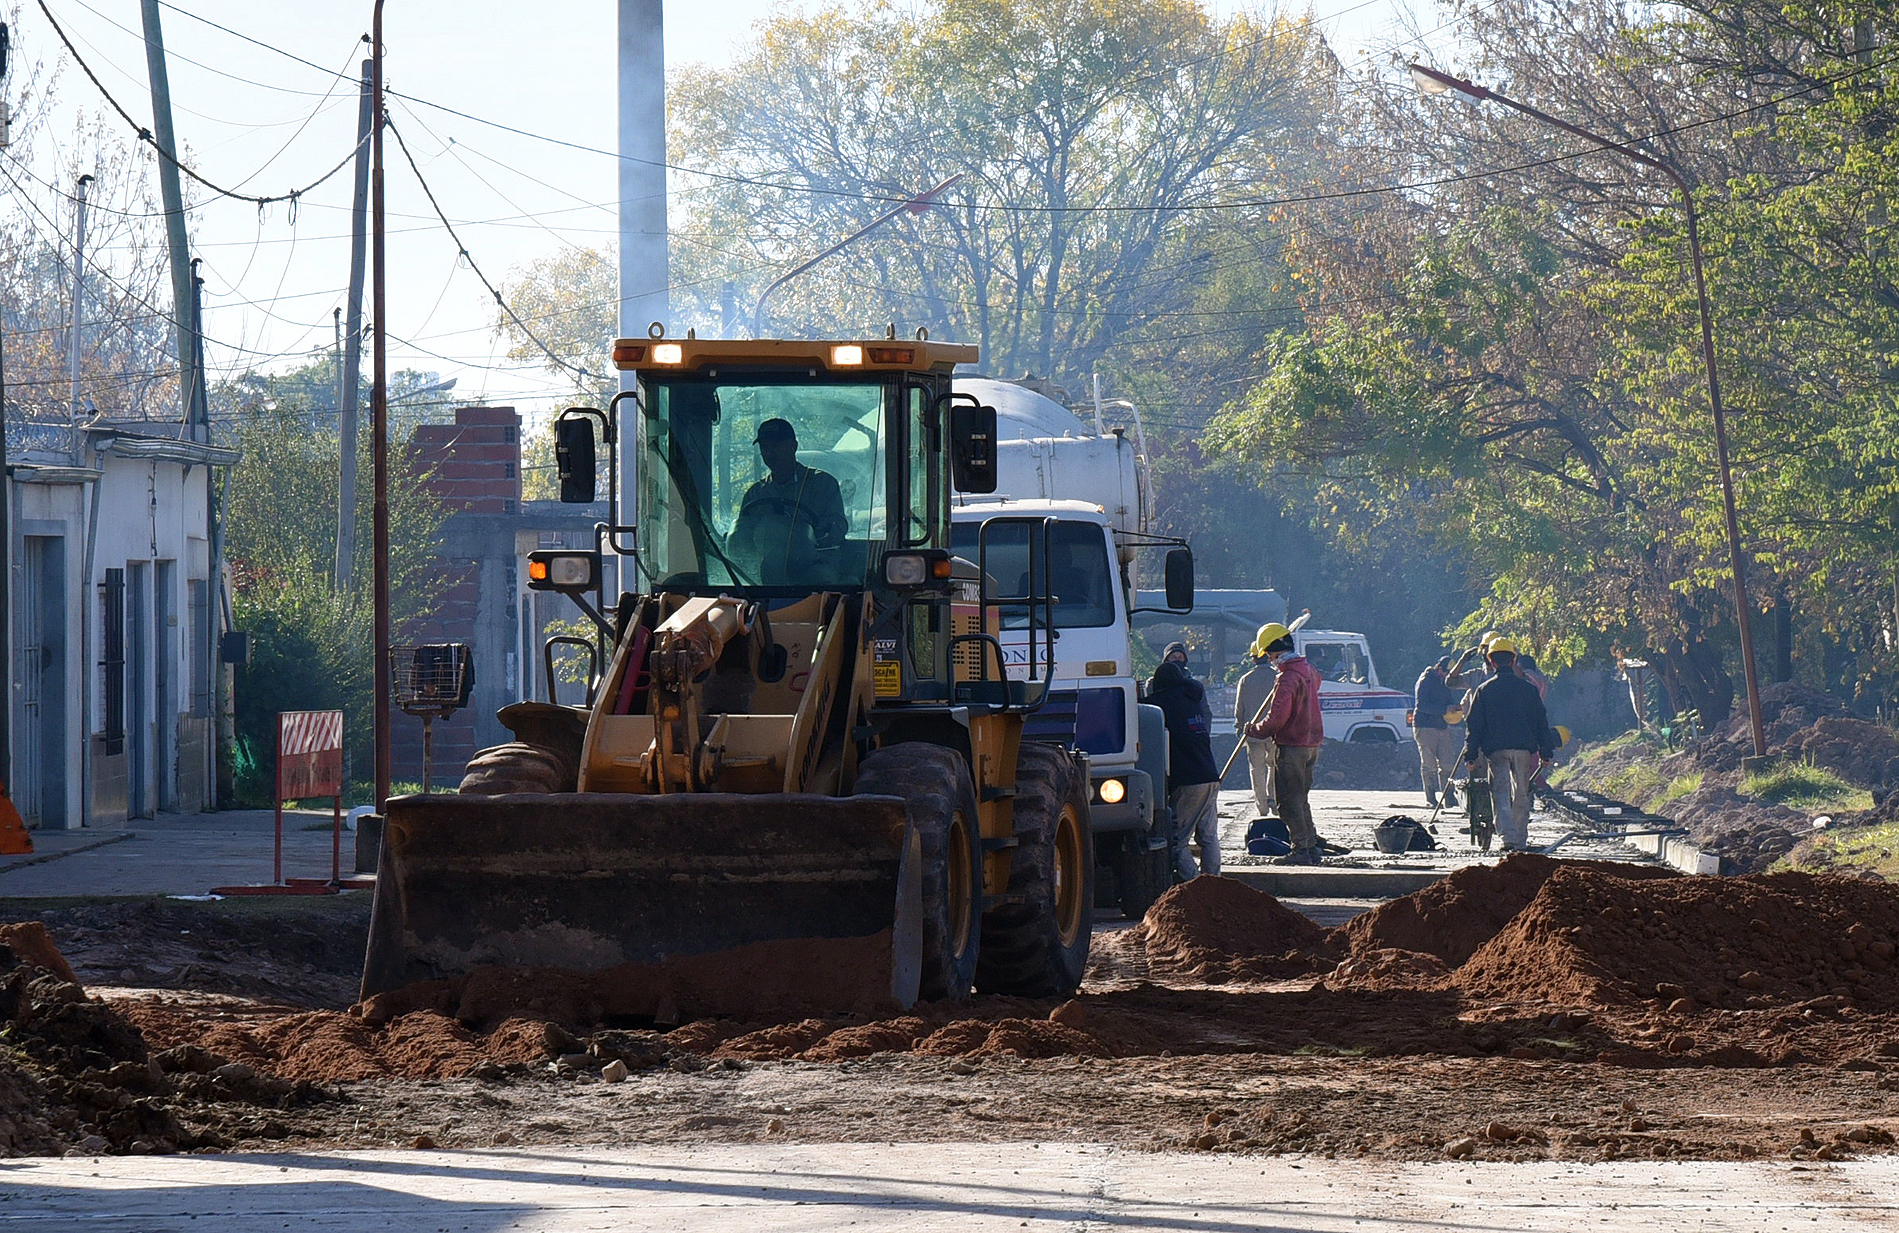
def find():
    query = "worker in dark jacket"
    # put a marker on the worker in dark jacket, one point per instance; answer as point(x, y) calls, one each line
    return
point(1193, 777)
point(1436, 720)
point(1509, 738)
point(1293, 723)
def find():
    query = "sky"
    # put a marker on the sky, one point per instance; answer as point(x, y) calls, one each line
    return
point(264, 102)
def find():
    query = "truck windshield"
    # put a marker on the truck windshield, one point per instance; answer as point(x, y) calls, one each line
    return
point(762, 481)
point(1078, 571)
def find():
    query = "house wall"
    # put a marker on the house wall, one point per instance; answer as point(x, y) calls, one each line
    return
point(151, 545)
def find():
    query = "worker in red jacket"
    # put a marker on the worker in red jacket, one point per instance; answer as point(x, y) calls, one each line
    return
point(1294, 724)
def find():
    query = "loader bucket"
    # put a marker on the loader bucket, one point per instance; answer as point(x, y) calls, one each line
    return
point(666, 907)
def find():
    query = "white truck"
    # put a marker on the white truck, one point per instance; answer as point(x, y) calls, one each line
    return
point(1356, 705)
point(1092, 487)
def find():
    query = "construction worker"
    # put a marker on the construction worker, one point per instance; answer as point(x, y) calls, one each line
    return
point(1509, 738)
point(1293, 723)
point(1436, 718)
point(1176, 653)
point(1193, 777)
point(1248, 702)
point(792, 519)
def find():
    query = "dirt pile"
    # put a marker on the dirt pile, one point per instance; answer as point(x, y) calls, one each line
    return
point(1451, 919)
point(1217, 929)
point(1748, 943)
point(76, 1075)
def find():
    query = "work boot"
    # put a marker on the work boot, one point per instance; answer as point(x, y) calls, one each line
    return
point(1450, 797)
point(1430, 800)
point(1300, 856)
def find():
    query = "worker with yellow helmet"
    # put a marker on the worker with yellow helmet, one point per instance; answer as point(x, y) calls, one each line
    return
point(1249, 699)
point(1292, 721)
point(1508, 737)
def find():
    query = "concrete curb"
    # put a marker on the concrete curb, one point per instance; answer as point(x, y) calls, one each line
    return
point(1322, 883)
point(42, 858)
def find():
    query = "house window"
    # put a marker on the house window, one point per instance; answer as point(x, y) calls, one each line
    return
point(112, 660)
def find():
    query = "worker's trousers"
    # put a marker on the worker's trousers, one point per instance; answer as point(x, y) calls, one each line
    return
point(1196, 817)
point(1259, 760)
point(1438, 752)
point(1292, 779)
point(1510, 772)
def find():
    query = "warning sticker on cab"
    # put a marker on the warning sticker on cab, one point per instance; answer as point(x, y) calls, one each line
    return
point(887, 674)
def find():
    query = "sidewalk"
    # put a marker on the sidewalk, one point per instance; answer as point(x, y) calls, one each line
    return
point(946, 1187)
point(171, 854)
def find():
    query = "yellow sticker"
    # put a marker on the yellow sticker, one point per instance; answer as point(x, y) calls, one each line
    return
point(888, 676)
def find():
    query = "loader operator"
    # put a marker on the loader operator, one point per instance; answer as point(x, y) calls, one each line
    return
point(1509, 733)
point(791, 522)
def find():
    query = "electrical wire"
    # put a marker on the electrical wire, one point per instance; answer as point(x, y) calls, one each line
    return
point(145, 135)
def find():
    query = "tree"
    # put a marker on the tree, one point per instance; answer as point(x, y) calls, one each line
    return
point(1099, 142)
point(310, 642)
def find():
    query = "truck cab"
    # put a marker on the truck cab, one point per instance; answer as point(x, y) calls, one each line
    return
point(1356, 707)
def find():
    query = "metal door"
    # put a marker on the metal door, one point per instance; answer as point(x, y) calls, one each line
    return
point(164, 673)
point(39, 787)
point(138, 698)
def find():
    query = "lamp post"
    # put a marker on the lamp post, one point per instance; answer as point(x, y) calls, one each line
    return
point(916, 205)
point(1432, 82)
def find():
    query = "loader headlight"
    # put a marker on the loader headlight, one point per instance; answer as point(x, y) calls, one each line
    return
point(916, 569)
point(563, 571)
point(1113, 791)
point(847, 355)
point(669, 353)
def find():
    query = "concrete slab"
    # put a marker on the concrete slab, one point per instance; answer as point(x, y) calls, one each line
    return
point(172, 855)
point(916, 1188)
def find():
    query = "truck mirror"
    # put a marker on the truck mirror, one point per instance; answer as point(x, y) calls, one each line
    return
point(1180, 579)
point(574, 458)
point(973, 447)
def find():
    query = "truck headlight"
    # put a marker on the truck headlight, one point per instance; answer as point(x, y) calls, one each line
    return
point(1113, 791)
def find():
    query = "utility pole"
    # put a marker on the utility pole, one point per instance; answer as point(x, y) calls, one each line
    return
point(184, 336)
point(6, 512)
point(72, 334)
point(379, 423)
point(353, 345)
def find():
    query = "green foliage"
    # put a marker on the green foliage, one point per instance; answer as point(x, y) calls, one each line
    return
point(310, 643)
point(1803, 786)
point(1678, 787)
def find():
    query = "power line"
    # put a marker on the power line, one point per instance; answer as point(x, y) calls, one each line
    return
point(428, 192)
point(145, 134)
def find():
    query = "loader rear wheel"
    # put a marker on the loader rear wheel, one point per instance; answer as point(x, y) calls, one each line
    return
point(1035, 943)
point(935, 785)
point(517, 767)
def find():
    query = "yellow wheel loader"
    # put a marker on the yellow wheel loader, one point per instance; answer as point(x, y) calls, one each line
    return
point(798, 781)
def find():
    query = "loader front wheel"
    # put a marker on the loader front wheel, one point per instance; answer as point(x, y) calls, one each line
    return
point(941, 801)
point(1035, 943)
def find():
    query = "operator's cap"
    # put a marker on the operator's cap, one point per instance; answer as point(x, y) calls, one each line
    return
point(776, 430)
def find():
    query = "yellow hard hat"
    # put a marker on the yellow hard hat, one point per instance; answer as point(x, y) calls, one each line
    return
point(1490, 636)
point(1500, 643)
point(1562, 736)
point(1269, 633)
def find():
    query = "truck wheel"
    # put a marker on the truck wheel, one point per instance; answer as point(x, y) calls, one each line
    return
point(935, 785)
point(1035, 943)
point(1143, 873)
point(518, 767)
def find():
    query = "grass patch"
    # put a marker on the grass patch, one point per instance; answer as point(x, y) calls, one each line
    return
point(1635, 782)
point(1678, 787)
point(1332, 1051)
point(1870, 848)
point(1813, 789)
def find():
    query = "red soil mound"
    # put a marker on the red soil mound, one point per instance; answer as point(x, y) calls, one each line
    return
point(1216, 929)
point(1749, 942)
point(31, 944)
point(1452, 918)
point(331, 1047)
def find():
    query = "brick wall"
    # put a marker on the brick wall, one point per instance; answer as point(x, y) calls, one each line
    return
point(474, 467)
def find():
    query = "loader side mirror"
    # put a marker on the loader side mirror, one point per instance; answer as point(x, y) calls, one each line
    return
point(574, 458)
point(1179, 571)
point(973, 447)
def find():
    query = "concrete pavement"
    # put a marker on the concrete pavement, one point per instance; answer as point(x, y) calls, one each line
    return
point(172, 855)
point(188, 855)
point(914, 1188)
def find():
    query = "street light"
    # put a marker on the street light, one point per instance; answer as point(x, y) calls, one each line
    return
point(915, 205)
point(1430, 82)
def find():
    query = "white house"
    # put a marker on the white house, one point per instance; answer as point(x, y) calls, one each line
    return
point(115, 622)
